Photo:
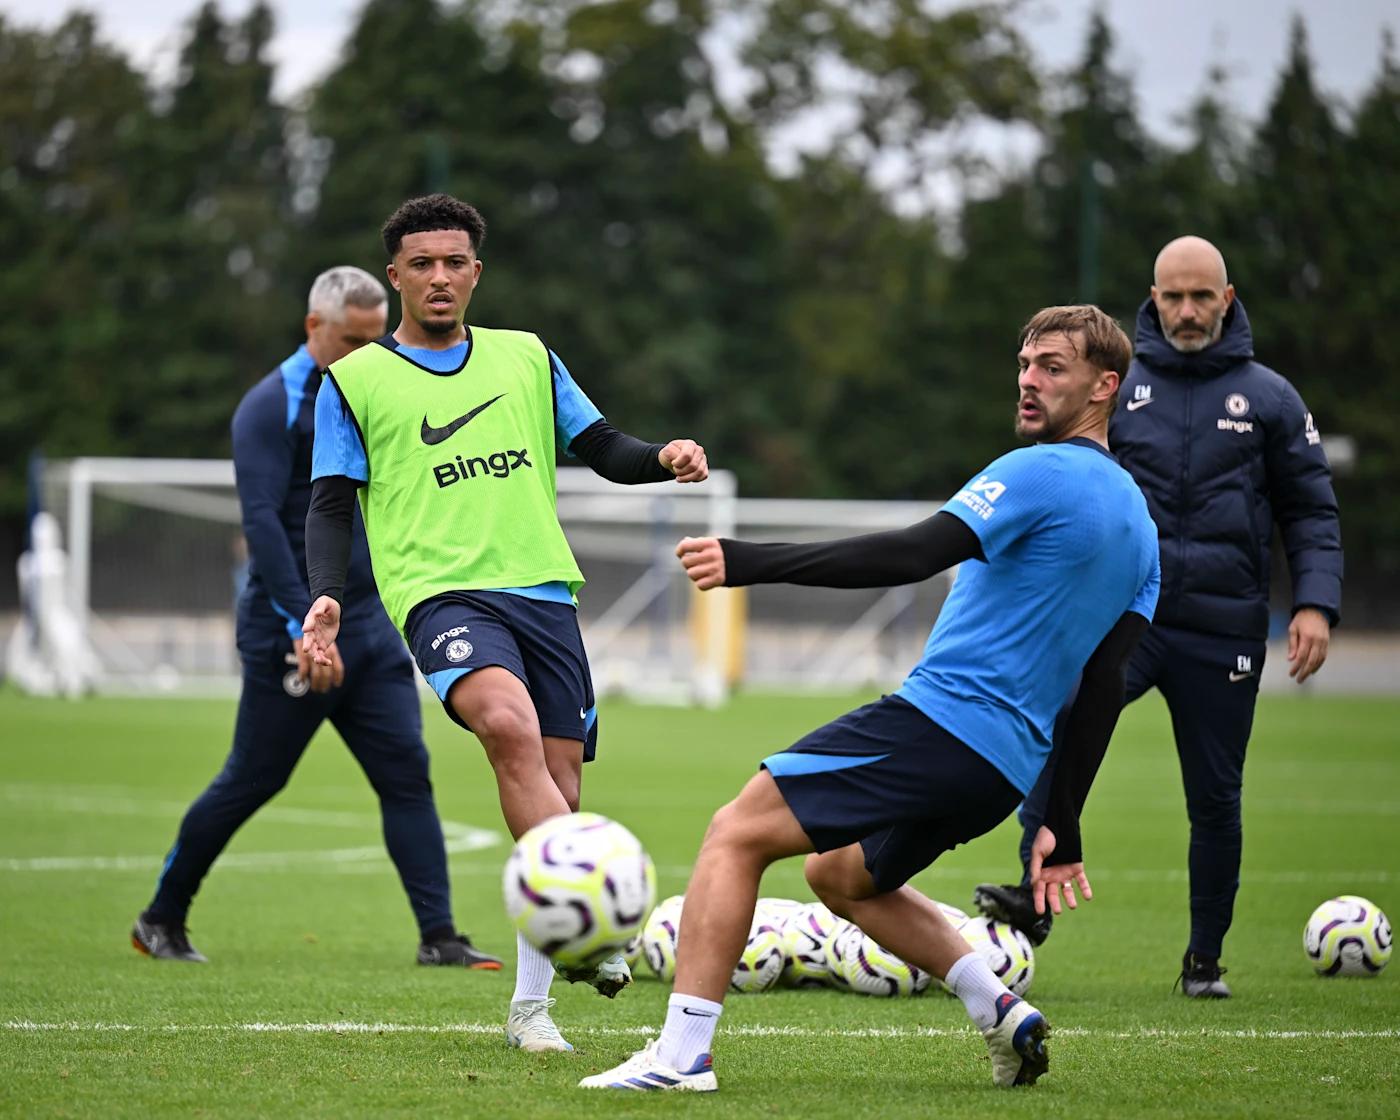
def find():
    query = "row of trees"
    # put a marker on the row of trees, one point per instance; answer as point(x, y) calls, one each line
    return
point(820, 333)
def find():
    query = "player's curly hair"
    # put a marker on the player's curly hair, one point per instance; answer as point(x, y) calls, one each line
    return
point(432, 212)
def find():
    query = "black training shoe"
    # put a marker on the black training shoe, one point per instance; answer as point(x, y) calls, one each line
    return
point(165, 941)
point(1014, 906)
point(1200, 977)
point(457, 950)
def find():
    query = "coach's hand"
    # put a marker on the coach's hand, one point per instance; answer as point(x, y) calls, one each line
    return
point(319, 631)
point(703, 560)
point(1047, 882)
point(1308, 636)
point(322, 678)
point(685, 459)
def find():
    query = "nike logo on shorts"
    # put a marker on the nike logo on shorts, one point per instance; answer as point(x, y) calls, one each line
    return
point(1237, 677)
point(431, 435)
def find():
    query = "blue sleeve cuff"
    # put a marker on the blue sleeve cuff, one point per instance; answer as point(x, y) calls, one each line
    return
point(294, 629)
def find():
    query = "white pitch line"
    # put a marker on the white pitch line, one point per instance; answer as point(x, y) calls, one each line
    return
point(1145, 1034)
point(458, 837)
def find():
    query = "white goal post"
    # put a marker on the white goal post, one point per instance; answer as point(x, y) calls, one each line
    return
point(155, 556)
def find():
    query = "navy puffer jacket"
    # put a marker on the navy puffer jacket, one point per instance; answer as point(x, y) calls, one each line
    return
point(1223, 447)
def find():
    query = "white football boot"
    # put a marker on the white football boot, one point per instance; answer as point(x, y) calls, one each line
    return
point(1017, 1042)
point(530, 1028)
point(644, 1071)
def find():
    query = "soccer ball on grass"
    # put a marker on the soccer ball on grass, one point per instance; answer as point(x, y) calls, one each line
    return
point(579, 887)
point(1348, 936)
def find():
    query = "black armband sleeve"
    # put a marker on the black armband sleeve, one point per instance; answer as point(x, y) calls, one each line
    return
point(1088, 729)
point(874, 560)
point(617, 456)
point(328, 522)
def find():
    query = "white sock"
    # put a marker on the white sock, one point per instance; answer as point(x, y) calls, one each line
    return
point(978, 987)
point(689, 1030)
point(533, 971)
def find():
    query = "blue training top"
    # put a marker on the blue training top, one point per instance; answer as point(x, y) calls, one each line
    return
point(1069, 550)
point(340, 452)
point(272, 453)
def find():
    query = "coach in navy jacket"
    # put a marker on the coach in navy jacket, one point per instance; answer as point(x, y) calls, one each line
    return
point(1224, 449)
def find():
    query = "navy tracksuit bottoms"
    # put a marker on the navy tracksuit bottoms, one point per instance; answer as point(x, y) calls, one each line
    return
point(376, 711)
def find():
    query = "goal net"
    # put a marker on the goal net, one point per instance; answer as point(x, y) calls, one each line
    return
point(153, 559)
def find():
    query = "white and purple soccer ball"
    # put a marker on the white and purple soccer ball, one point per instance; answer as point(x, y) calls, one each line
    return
point(1348, 936)
point(761, 962)
point(578, 887)
point(659, 937)
point(807, 944)
point(872, 970)
point(1007, 951)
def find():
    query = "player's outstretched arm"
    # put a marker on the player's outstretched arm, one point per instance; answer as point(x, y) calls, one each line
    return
point(619, 457)
point(685, 459)
point(873, 560)
point(1087, 732)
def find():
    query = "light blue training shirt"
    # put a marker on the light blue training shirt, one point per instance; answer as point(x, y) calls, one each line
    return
point(1069, 548)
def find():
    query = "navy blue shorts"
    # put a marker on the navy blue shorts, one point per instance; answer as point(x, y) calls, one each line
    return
point(450, 635)
point(888, 777)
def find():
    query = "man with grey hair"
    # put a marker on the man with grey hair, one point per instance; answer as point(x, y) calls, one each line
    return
point(1224, 449)
point(368, 691)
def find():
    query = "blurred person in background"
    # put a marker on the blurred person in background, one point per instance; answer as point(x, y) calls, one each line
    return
point(367, 690)
point(1223, 448)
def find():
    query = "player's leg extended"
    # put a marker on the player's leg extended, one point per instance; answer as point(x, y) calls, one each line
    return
point(381, 722)
point(276, 719)
point(1212, 699)
point(752, 831)
point(494, 703)
point(910, 925)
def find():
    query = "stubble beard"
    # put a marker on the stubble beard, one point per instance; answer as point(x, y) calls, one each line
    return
point(1196, 345)
point(438, 326)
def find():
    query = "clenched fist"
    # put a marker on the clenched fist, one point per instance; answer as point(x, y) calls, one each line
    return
point(703, 560)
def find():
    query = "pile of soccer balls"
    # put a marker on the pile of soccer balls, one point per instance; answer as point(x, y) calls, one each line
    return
point(580, 888)
point(804, 945)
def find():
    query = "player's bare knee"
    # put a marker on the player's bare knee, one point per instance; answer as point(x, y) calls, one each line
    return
point(839, 879)
point(505, 726)
point(730, 829)
point(825, 884)
point(518, 765)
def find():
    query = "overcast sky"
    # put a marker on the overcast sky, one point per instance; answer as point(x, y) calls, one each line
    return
point(1168, 44)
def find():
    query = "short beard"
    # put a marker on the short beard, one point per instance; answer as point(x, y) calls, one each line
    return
point(1195, 347)
point(438, 326)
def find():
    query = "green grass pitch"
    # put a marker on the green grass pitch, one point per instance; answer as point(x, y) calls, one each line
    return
point(312, 1005)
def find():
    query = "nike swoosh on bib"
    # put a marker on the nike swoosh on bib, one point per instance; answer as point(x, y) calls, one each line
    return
point(1133, 406)
point(433, 435)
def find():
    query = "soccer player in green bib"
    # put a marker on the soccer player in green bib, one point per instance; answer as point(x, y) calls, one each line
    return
point(447, 433)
